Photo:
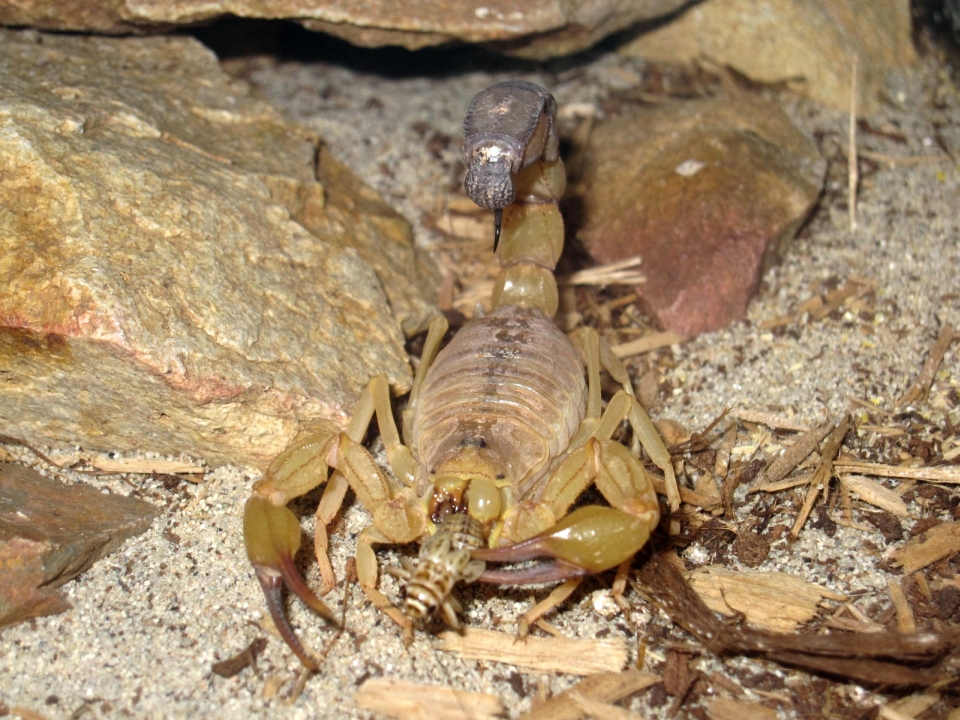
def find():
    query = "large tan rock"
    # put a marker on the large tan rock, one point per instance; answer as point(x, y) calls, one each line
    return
point(807, 44)
point(538, 28)
point(178, 270)
point(708, 193)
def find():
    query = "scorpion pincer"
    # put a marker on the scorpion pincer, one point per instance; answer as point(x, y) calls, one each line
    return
point(504, 429)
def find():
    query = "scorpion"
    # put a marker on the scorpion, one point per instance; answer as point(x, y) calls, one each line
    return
point(504, 428)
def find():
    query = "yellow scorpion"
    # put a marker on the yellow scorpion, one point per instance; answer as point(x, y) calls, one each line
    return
point(504, 428)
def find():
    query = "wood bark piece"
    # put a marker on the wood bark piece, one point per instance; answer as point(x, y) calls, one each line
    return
point(179, 271)
point(415, 701)
point(603, 688)
point(928, 547)
point(768, 600)
point(707, 192)
point(572, 656)
point(538, 28)
point(807, 44)
point(50, 533)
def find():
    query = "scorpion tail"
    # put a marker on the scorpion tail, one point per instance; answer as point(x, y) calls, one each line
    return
point(497, 224)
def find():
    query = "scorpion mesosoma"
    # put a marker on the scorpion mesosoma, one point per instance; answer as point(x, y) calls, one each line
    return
point(504, 427)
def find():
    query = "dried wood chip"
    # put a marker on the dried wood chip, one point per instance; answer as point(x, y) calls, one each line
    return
point(921, 387)
point(769, 600)
point(945, 475)
point(838, 297)
point(914, 704)
point(771, 420)
point(603, 711)
point(793, 456)
point(241, 661)
point(415, 701)
point(823, 473)
point(905, 620)
point(688, 497)
point(567, 655)
point(145, 466)
point(886, 659)
point(601, 688)
point(647, 343)
point(938, 542)
point(873, 493)
point(729, 709)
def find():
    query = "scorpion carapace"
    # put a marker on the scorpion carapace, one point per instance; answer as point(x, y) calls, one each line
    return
point(504, 429)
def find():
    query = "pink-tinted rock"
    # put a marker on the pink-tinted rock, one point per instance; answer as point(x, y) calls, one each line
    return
point(708, 193)
point(50, 533)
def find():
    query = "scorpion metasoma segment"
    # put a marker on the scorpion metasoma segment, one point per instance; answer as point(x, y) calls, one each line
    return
point(504, 428)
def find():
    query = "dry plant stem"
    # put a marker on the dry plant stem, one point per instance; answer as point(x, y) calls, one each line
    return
point(823, 473)
point(921, 388)
point(905, 619)
point(792, 457)
point(874, 658)
point(604, 687)
point(945, 475)
point(770, 420)
point(852, 172)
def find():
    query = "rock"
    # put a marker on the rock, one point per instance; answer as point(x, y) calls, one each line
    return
point(535, 29)
point(807, 44)
point(182, 269)
point(707, 192)
point(50, 533)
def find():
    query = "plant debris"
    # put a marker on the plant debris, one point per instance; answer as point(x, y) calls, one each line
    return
point(554, 654)
point(417, 701)
point(874, 659)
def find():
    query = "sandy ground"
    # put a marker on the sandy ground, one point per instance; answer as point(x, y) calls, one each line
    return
point(148, 622)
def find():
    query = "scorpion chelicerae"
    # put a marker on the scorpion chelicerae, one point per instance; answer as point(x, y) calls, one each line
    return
point(504, 428)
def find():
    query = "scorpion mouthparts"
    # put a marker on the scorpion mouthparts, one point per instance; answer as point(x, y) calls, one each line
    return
point(497, 222)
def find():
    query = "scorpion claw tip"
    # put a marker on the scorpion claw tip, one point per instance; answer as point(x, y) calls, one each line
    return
point(497, 224)
point(271, 584)
point(295, 584)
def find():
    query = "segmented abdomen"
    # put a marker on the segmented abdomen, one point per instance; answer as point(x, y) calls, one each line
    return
point(510, 382)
